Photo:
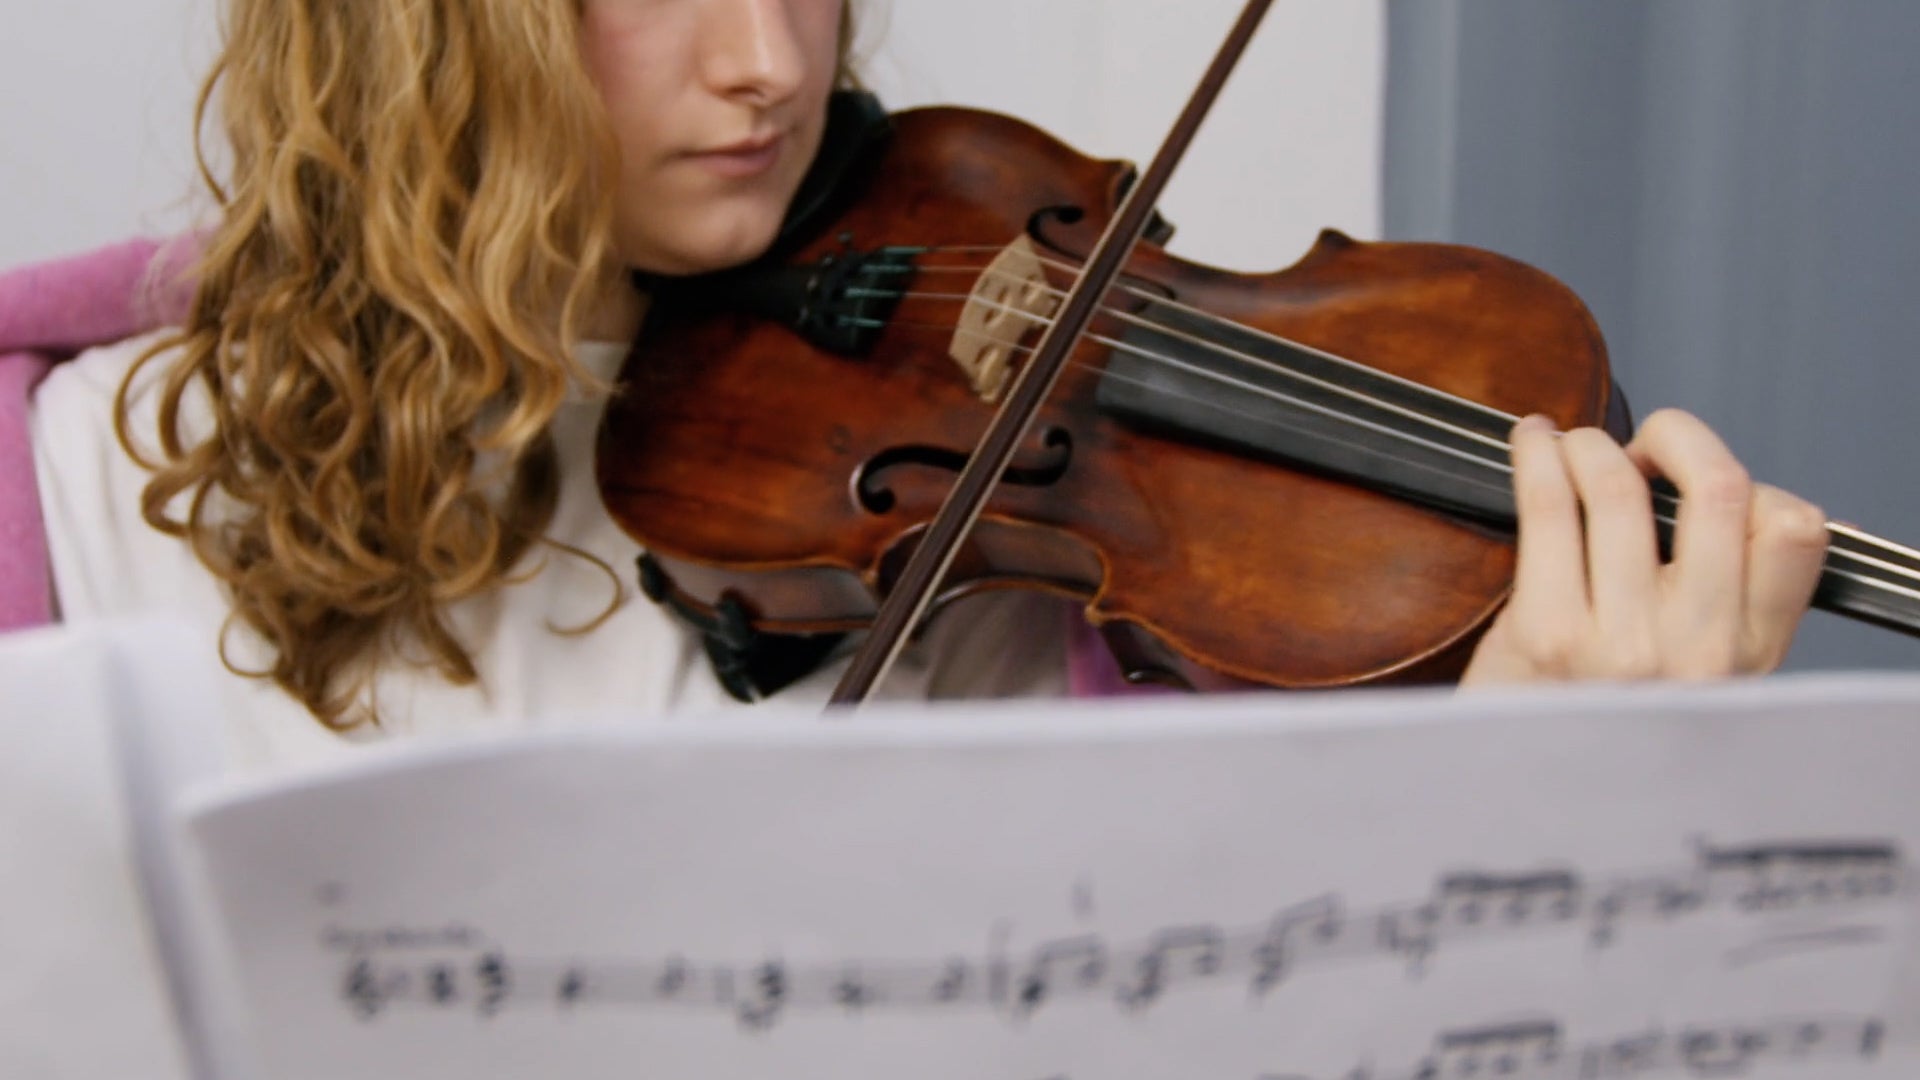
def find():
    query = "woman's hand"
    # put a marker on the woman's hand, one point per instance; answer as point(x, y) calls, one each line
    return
point(1595, 601)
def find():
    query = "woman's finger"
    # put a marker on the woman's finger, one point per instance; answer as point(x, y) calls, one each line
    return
point(1786, 550)
point(1551, 562)
point(1622, 551)
point(1708, 575)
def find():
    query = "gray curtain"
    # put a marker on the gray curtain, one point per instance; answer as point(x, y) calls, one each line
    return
point(1733, 186)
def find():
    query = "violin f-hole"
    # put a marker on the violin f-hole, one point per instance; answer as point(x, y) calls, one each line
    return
point(1158, 229)
point(872, 492)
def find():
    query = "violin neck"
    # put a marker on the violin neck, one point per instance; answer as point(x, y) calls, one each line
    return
point(1870, 579)
point(1198, 380)
point(1864, 577)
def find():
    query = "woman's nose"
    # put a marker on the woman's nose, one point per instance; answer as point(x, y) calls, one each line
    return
point(751, 50)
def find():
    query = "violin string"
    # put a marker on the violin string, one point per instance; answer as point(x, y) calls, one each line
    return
point(1858, 536)
point(1892, 550)
point(1220, 377)
point(1261, 363)
point(1882, 565)
point(1206, 316)
point(1666, 507)
point(1264, 364)
point(1255, 418)
point(1661, 500)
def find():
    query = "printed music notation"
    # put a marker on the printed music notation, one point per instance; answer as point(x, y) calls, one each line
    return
point(1538, 1050)
point(1464, 906)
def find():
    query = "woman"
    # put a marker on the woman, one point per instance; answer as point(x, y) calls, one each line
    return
point(370, 438)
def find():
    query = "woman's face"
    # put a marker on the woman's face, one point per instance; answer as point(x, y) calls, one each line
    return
point(718, 106)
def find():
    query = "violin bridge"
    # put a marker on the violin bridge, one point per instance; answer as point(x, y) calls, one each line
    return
point(1011, 298)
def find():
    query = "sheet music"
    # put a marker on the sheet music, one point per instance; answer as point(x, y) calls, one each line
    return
point(1614, 882)
point(87, 988)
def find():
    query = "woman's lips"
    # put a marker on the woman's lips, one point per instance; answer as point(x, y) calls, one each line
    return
point(742, 160)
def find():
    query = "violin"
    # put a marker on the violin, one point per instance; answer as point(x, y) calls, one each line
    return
point(1295, 479)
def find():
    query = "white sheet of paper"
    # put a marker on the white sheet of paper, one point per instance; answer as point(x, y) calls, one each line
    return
point(83, 988)
point(1611, 882)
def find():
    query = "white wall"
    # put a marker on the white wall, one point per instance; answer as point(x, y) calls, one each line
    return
point(1293, 144)
point(96, 107)
point(96, 101)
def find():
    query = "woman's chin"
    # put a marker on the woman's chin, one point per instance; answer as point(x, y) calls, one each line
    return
point(683, 256)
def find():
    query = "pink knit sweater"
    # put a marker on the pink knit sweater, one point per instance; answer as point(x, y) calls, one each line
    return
point(48, 312)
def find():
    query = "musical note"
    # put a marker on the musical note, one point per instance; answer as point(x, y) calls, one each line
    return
point(952, 983)
point(853, 993)
point(573, 984)
point(1872, 1033)
point(1536, 1049)
point(766, 996)
point(1412, 932)
point(1084, 958)
point(1274, 955)
point(673, 979)
point(1721, 1053)
point(441, 988)
point(1732, 1049)
point(1465, 905)
point(363, 990)
point(1608, 908)
point(495, 982)
point(1493, 1050)
point(1677, 897)
point(1771, 876)
point(1627, 1055)
point(1474, 903)
point(1468, 899)
point(1191, 950)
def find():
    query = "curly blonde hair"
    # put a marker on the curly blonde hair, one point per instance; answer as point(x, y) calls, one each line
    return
point(418, 221)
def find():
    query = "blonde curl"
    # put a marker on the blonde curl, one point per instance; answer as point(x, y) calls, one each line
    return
point(417, 222)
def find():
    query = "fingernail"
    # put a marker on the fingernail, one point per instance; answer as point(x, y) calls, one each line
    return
point(1536, 422)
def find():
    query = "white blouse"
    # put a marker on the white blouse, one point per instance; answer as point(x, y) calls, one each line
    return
point(108, 562)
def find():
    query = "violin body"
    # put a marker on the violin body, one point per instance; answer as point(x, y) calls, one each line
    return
point(790, 479)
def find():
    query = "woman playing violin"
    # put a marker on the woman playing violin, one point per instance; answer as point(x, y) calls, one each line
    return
point(362, 467)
